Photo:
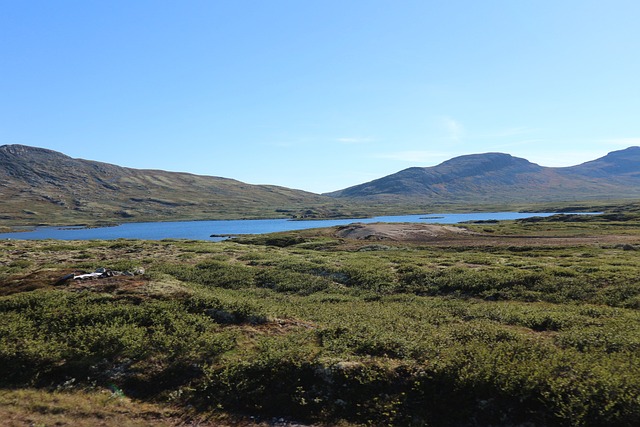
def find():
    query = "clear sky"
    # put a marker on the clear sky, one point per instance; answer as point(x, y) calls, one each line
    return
point(319, 94)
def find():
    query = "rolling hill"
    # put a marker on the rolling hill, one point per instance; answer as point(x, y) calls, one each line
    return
point(40, 186)
point(502, 178)
point(43, 186)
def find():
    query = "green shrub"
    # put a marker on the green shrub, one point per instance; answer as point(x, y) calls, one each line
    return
point(291, 281)
point(213, 273)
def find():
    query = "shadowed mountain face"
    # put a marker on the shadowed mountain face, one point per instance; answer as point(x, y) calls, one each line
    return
point(497, 177)
point(39, 185)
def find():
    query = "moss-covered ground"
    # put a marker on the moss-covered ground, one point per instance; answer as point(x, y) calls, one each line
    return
point(312, 328)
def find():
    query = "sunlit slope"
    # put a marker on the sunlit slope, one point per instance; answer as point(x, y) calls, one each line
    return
point(502, 178)
point(39, 185)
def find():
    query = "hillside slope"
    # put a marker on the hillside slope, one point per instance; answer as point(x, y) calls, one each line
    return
point(497, 177)
point(44, 186)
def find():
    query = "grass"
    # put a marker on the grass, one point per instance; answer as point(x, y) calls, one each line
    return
point(33, 407)
point(310, 327)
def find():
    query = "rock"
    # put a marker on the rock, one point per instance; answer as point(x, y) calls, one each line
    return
point(105, 272)
point(87, 276)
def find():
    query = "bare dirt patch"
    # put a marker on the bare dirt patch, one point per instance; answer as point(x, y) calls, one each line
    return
point(45, 278)
point(448, 235)
point(55, 278)
point(399, 231)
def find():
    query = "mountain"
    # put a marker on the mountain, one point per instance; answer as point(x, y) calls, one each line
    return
point(498, 177)
point(621, 165)
point(40, 186)
point(43, 186)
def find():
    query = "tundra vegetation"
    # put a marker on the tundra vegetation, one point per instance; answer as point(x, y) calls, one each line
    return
point(541, 326)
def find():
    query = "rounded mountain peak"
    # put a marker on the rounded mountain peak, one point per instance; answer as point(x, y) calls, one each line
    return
point(487, 162)
point(22, 150)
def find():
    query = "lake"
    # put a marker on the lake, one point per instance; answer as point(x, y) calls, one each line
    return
point(202, 230)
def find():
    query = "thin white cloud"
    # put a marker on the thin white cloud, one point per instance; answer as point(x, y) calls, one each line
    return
point(415, 156)
point(354, 140)
point(282, 144)
point(622, 142)
point(519, 143)
point(507, 132)
point(455, 130)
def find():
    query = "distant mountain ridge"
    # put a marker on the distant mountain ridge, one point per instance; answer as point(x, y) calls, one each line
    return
point(622, 164)
point(38, 185)
point(41, 185)
point(491, 177)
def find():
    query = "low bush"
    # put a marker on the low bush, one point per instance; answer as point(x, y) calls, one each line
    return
point(427, 336)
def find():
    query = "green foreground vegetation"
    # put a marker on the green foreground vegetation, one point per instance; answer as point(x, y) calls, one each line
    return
point(312, 328)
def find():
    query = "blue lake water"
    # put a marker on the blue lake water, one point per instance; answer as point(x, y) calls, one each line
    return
point(202, 230)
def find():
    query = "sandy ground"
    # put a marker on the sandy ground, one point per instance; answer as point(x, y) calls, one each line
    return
point(448, 235)
point(399, 231)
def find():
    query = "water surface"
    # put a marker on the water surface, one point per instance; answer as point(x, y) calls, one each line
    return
point(202, 230)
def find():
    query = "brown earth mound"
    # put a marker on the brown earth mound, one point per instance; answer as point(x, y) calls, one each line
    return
point(448, 235)
point(399, 231)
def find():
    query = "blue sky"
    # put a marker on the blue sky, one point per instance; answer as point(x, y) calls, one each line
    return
point(319, 94)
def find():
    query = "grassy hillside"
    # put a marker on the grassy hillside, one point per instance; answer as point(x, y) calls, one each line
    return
point(490, 178)
point(39, 186)
point(533, 322)
point(42, 186)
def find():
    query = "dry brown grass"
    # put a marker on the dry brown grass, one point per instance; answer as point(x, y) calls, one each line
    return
point(103, 408)
point(29, 407)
